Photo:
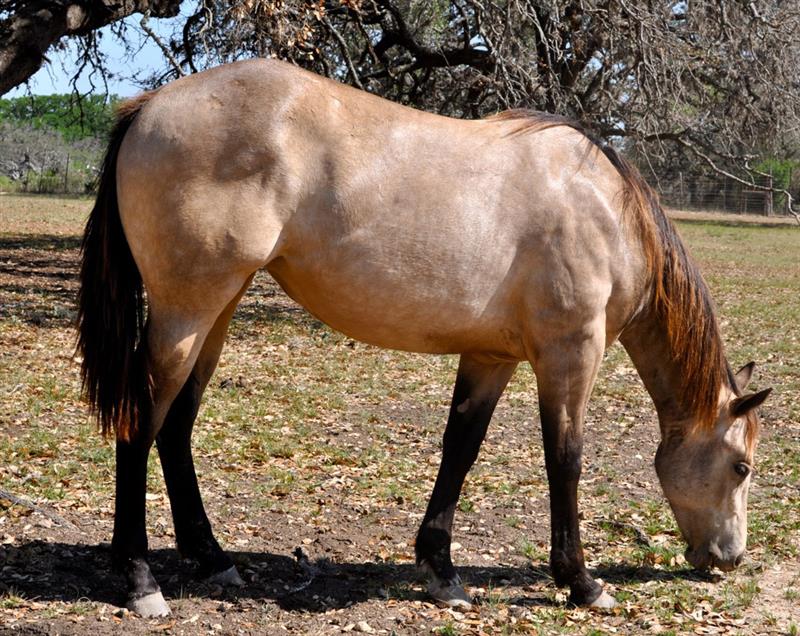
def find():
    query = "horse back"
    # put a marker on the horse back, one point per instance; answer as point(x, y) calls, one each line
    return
point(397, 227)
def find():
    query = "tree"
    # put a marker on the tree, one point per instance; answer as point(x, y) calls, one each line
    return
point(75, 119)
point(29, 28)
point(713, 80)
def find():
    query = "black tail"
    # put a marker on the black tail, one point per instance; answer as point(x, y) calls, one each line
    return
point(111, 311)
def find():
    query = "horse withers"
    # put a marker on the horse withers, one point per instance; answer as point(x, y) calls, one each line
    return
point(513, 238)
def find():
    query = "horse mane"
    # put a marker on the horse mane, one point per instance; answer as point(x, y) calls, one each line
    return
point(680, 299)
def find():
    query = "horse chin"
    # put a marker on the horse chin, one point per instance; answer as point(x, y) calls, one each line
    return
point(699, 558)
point(725, 566)
point(703, 558)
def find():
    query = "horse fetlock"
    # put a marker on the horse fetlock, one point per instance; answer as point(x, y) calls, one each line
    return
point(210, 557)
point(563, 569)
point(587, 591)
point(435, 560)
point(438, 565)
point(448, 591)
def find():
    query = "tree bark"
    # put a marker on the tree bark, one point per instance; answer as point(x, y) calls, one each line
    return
point(33, 26)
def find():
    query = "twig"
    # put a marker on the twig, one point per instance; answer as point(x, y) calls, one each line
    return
point(309, 569)
point(144, 23)
point(751, 184)
point(4, 494)
point(784, 191)
point(343, 48)
point(641, 535)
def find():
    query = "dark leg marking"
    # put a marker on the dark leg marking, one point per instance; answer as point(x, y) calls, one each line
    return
point(193, 532)
point(129, 543)
point(477, 390)
point(563, 461)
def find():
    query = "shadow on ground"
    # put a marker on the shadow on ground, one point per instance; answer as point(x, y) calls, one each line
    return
point(39, 285)
point(71, 572)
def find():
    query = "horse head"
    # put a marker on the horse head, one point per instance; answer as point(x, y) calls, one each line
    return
point(705, 473)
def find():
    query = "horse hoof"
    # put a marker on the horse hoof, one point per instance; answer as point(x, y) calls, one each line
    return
point(450, 593)
point(227, 578)
point(604, 601)
point(150, 606)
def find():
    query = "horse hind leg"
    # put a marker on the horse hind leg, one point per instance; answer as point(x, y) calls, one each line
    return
point(193, 533)
point(479, 385)
point(175, 337)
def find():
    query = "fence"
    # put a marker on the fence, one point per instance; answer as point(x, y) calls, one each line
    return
point(42, 161)
point(685, 191)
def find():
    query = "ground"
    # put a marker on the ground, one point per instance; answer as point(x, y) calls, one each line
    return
point(311, 444)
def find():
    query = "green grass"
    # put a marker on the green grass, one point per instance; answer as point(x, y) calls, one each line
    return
point(532, 551)
point(11, 599)
point(448, 629)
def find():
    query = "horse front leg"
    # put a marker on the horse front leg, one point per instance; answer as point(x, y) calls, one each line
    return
point(565, 374)
point(479, 385)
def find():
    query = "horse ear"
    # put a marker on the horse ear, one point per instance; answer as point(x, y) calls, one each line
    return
point(744, 374)
point(746, 403)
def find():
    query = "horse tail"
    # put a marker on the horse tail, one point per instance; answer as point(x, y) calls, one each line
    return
point(111, 305)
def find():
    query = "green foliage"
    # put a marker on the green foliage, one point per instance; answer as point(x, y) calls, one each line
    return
point(52, 143)
point(89, 117)
point(780, 169)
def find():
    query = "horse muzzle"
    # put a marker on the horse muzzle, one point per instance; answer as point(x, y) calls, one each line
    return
point(704, 558)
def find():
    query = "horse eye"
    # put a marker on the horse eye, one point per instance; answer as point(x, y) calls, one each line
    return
point(742, 469)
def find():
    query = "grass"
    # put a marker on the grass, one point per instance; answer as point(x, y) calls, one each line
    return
point(448, 629)
point(532, 551)
point(11, 599)
point(303, 431)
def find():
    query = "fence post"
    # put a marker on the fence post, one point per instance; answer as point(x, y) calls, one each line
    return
point(768, 197)
point(66, 175)
point(41, 175)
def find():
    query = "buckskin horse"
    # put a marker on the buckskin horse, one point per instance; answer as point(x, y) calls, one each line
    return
point(512, 238)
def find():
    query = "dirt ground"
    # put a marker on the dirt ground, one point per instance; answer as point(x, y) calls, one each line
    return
point(311, 444)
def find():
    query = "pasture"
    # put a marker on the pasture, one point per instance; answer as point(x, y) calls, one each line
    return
point(316, 455)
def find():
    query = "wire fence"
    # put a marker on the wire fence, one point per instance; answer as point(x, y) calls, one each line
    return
point(687, 191)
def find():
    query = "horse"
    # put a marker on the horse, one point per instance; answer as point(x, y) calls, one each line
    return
point(508, 239)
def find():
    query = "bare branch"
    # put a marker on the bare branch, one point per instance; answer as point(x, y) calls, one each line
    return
point(343, 48)
point(750, 184)
point(145, 24)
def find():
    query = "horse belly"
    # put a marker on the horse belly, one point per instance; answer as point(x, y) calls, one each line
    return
point(409, 303)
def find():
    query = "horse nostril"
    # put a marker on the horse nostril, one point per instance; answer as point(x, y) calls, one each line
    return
point(738, 560)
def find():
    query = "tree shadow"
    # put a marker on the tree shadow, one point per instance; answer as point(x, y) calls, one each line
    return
point(625, 573)
point(69, 572)
point(39, 286)
point(38, 278)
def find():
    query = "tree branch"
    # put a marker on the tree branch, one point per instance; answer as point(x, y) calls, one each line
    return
point(27, 33)
point(750, 184)
point(144, 23)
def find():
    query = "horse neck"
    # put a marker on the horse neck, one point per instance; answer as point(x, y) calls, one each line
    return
point(647, 344)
